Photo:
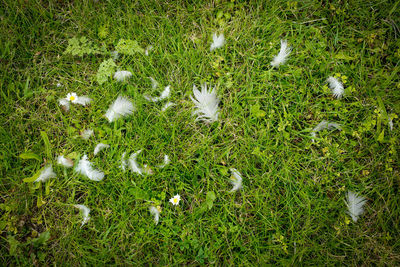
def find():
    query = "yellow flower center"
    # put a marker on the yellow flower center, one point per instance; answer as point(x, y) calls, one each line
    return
point(72, 98)
point(175, 200)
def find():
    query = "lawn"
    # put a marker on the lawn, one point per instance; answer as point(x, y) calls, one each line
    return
point(291, 208)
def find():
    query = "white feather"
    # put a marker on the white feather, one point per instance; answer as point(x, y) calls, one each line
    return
point(166, 161)
point(86, 134)
point(148, 49)
point(85, 168)
point(115, 55)
point(68, 163)
point(83, 100)
point(85, 213)
point(218, 41)
point(124, 162)
point(167, 105)
point(206, 103)
point(324, 125)
point(336, 86)
point(64, 102)
point(163, 95)
point(46, 174)
point(100, 147)
point(133, 165)
point(121, 107)
point(156, 213)
point(390, 122)
point(355, 205)
point(154, 83)
point(282, 55)
point(236, 180)
point(122, 75)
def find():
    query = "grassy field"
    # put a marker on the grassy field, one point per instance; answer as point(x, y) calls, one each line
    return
point(291, 209)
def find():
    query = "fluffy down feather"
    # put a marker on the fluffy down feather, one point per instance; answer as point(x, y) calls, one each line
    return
point(163, 95)
point(122, 75)
point(282, 55)
point(206, 103)
point(85, 168)
point(156, 213)
point(336, 86)
point(236, 180)
point(68, 163)
point(218, 41)
point(85, 213)
point(100, 147)
point(121, 107)
point(46, 174)
point(355, 205)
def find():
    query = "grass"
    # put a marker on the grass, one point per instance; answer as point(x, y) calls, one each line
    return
point(291, 209)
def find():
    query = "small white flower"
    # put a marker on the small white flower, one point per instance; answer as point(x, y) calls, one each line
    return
point(218, 41)
point(175, 200)
point(336, 86)
point(100, 147)
point(85, 213)
point(206, 103)
point(68, 163)
point(282, 55)
point(122, 75)
point(46, 174)
point(72, 97)
point(236, 180)
point(86, 134)
point(155, 211)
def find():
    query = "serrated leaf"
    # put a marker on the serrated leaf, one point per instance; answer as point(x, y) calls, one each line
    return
point(106, 69)
point(128, 47)
point(29, 155)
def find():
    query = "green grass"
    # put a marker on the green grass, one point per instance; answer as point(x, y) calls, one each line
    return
point(291, 210)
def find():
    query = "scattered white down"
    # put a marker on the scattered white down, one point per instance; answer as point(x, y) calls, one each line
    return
point(148, 49)
point(85, 168)
point(68, 163)
point(324, 125)
point(100, 147)
point(86, 134)
point(166, 106)
point(163, 95)
point(236, 180)
point(124, 162)
point(122, 75)
point(65, 103)
point(218, 41)
point(46, 174)
point(206, 103)
point(122, 106)
point(166, 161)
point(85, 213)
point(156, 213)
point(282, 55)
point(154, 83)
point(355, 205)
point(133, 165)
point(336, 86)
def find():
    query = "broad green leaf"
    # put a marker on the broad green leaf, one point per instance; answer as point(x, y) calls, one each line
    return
point(34, 177)
point(42, 239)
point(46, 144)
point(210, 197)
point(29, 155)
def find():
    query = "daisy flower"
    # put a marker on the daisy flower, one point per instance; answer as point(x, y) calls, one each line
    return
point(72, 97)
point(175, 200)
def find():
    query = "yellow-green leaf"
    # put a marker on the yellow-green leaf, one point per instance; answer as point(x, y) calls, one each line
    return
point(29, 155)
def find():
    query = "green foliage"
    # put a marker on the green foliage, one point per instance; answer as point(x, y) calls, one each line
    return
point(128, 47)
point(106, 69)
point(82, 46)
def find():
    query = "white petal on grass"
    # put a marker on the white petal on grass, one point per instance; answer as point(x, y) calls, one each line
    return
point(86, 134)
point(156, 213)
point(236, 180)
point(336, 86)
point(85, 213)
point(206, 103)
point(163, 95)
point(64, 103)
point(46, 174)
point(133, 165)
point(148, 49)
point(122, 106)
point(68, 163)
point(355, 205)
point(83, 100)
point(282, 55)
point(218, 41)
point(167, 105)
point(324, 125)
point(166, 161)
point(122, 75)
point(85, 168)
point(100, 147)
